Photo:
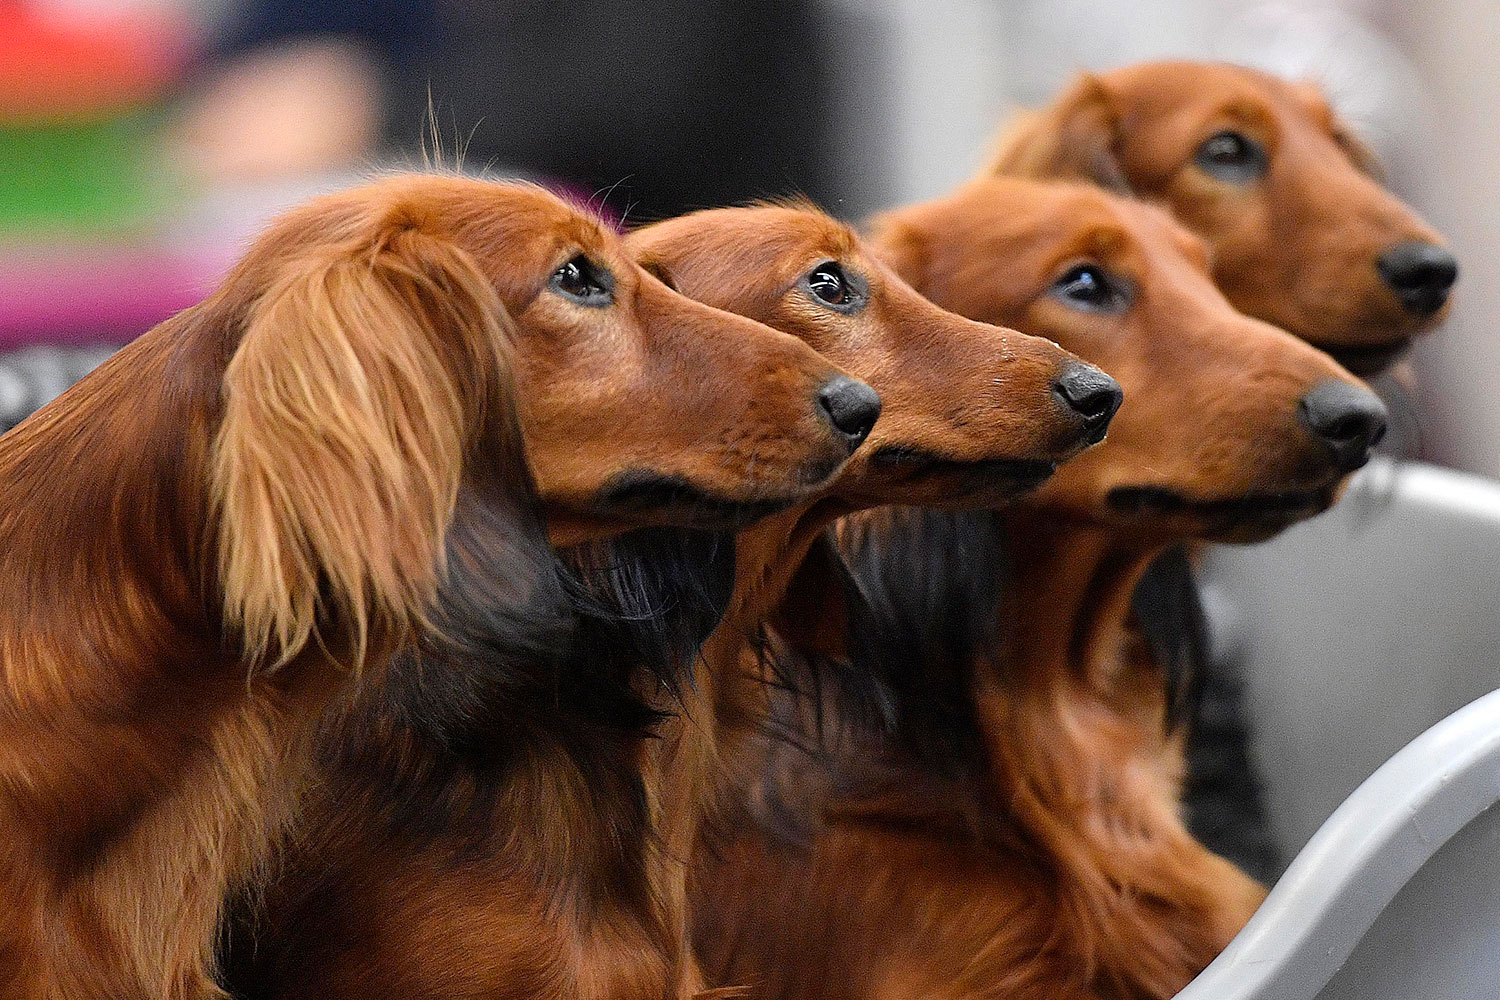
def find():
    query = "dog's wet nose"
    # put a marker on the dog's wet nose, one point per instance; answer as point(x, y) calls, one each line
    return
point(1091, 394)
point(1420, 273)
point(1348, 419)
point(851, 407)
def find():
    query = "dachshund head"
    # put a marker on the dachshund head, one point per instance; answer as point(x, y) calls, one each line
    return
point(969, 408)
point(426, 345)
point(1231, 428)
point(1302, 233)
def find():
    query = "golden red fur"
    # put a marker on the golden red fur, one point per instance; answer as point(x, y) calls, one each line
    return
point(1009, 826)
point(1295, 238)
point(971, 416)
point(521, 899)
point(259, 501)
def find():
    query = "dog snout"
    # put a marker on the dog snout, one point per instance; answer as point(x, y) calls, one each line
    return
point(1420, 273)
point(1092, 395)
point(1349, 420)
point(851, 407)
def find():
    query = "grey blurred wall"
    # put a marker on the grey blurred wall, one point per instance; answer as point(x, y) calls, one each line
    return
point(1452, 44)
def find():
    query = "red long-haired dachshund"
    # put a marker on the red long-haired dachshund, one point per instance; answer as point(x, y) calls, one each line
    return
point(486, 885)
point(263, 499)
point(998, 815)
point(1301, 232)
point(975, 415)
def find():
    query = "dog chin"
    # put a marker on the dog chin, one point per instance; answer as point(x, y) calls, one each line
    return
point(952, 477)
point(1368, 360)
point(1250, 517)
point(643, 495)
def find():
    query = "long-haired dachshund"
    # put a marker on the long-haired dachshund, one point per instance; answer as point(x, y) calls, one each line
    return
point(545, 869)
point(263, 500)
point(1301, 234)
point(1301, 231)
point(975, 415)
point(998, 816)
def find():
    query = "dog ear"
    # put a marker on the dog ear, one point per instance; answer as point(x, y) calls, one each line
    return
point(902, 247)
point(363, 377)
point(658, 270)
point(1361, 155)
point(1315, 99)
point(1071, 139)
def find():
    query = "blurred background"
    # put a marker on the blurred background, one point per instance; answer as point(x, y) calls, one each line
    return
point(143, 142)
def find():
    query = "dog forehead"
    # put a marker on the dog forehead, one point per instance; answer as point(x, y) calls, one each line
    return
point(1093, 221)
point(1134, 235)
point(766, 242)
point(525, 228)
point(791, 231)
point(528, 212)
point(817, 230)
point(1151, 90)
point(1158, 233)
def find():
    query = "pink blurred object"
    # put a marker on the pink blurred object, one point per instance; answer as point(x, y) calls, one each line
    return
point(82, 295)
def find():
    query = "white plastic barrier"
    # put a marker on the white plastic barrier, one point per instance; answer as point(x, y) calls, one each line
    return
point(1398, 895)
point(1355, 633)
point(1358, 630)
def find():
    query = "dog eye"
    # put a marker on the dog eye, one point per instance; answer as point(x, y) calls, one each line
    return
point(582, 282)
point(1089, 288)
point(1231, 156)
point(830, 285)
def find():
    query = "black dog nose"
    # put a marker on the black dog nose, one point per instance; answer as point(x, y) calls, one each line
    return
point(1350, 420)
point(1091, 394)
point(1420, 274)
point(852, 407)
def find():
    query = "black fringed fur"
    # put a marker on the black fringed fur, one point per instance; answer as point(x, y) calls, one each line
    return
point(919, 594)
point(589, 672)
point(539, 660)
point(922, 594)
point(1222, 796)
point(924, 591)
point(1170, 616)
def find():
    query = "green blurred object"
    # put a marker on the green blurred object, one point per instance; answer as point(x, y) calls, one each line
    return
point(94, 175)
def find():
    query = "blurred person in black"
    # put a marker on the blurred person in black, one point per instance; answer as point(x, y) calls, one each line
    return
point(667, 106)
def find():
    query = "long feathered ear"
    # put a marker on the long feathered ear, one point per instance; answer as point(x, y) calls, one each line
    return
point(1073, 138)
point(361, 381)
point(1361, 155)
point(1315, 97)
point(902, 246)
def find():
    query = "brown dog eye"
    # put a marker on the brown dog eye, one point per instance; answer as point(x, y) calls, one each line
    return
point(827, 283)
point(830, 285)
point(582, 282)
point(1089, 288)
point(1231, 156)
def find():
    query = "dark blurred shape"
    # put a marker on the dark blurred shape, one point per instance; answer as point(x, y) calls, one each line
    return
point(665, 106)
point(1224, 794)
point(396, 31)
